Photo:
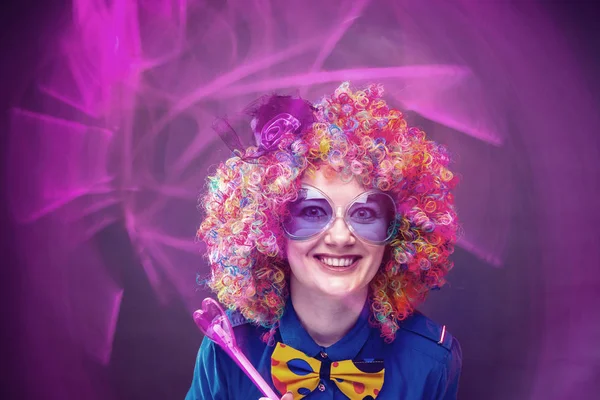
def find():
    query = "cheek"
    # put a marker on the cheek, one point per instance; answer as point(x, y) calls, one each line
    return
point(296, 252)
point(290, 249)
point(377, 257)
point(381, 253)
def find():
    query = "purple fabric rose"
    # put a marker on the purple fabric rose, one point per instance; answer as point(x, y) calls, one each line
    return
point(274, 130)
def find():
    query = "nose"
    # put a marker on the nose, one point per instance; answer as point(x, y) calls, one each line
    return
point(339, 234)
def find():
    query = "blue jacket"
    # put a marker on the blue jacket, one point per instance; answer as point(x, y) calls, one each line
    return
point(417, 365)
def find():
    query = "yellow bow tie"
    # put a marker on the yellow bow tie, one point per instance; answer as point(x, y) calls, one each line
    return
point(300, 374)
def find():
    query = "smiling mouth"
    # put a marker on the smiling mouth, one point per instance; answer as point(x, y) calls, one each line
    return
point(338, 262)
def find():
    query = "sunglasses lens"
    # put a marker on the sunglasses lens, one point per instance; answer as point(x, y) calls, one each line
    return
point(308, 215)
point(372, 217)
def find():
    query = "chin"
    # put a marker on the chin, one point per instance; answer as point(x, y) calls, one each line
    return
point(340, 287)
point(341, 292)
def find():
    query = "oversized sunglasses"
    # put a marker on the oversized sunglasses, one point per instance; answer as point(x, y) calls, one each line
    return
point(370, 216)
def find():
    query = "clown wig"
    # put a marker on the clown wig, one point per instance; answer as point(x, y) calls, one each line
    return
point(354, 134)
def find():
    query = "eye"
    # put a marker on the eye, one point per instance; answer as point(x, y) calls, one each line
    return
point(363, 214)
point(313, 212)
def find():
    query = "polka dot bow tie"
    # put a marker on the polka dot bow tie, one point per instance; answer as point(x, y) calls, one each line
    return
point(300, 374)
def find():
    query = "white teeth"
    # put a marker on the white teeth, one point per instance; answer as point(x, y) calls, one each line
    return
point(337, 262)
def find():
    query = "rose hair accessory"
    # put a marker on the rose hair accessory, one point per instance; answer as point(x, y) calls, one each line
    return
point(213, 322)
point(274, 118)
point(274, 130)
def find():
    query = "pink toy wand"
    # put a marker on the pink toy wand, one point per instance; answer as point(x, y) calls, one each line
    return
point(213, 322)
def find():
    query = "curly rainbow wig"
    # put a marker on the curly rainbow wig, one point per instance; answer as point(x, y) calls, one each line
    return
point(355, 134)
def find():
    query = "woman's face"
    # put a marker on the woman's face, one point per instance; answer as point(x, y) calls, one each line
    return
point(335, 263)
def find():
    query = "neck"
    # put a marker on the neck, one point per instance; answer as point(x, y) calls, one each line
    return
point(326, 319)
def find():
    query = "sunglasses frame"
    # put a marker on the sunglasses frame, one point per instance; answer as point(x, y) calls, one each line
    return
point(344, 216)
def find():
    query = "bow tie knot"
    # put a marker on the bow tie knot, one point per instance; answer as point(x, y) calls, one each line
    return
point(294, 371)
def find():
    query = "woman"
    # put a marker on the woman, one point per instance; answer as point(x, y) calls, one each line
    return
point(322, 240)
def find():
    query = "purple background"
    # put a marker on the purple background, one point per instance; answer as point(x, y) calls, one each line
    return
point(107, 142)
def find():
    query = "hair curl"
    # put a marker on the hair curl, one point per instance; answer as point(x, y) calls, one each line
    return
point(357, 135)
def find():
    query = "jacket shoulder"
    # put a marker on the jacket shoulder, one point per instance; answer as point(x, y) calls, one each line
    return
point(424, 327)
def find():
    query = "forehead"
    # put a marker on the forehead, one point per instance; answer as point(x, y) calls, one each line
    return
point(339, 191)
